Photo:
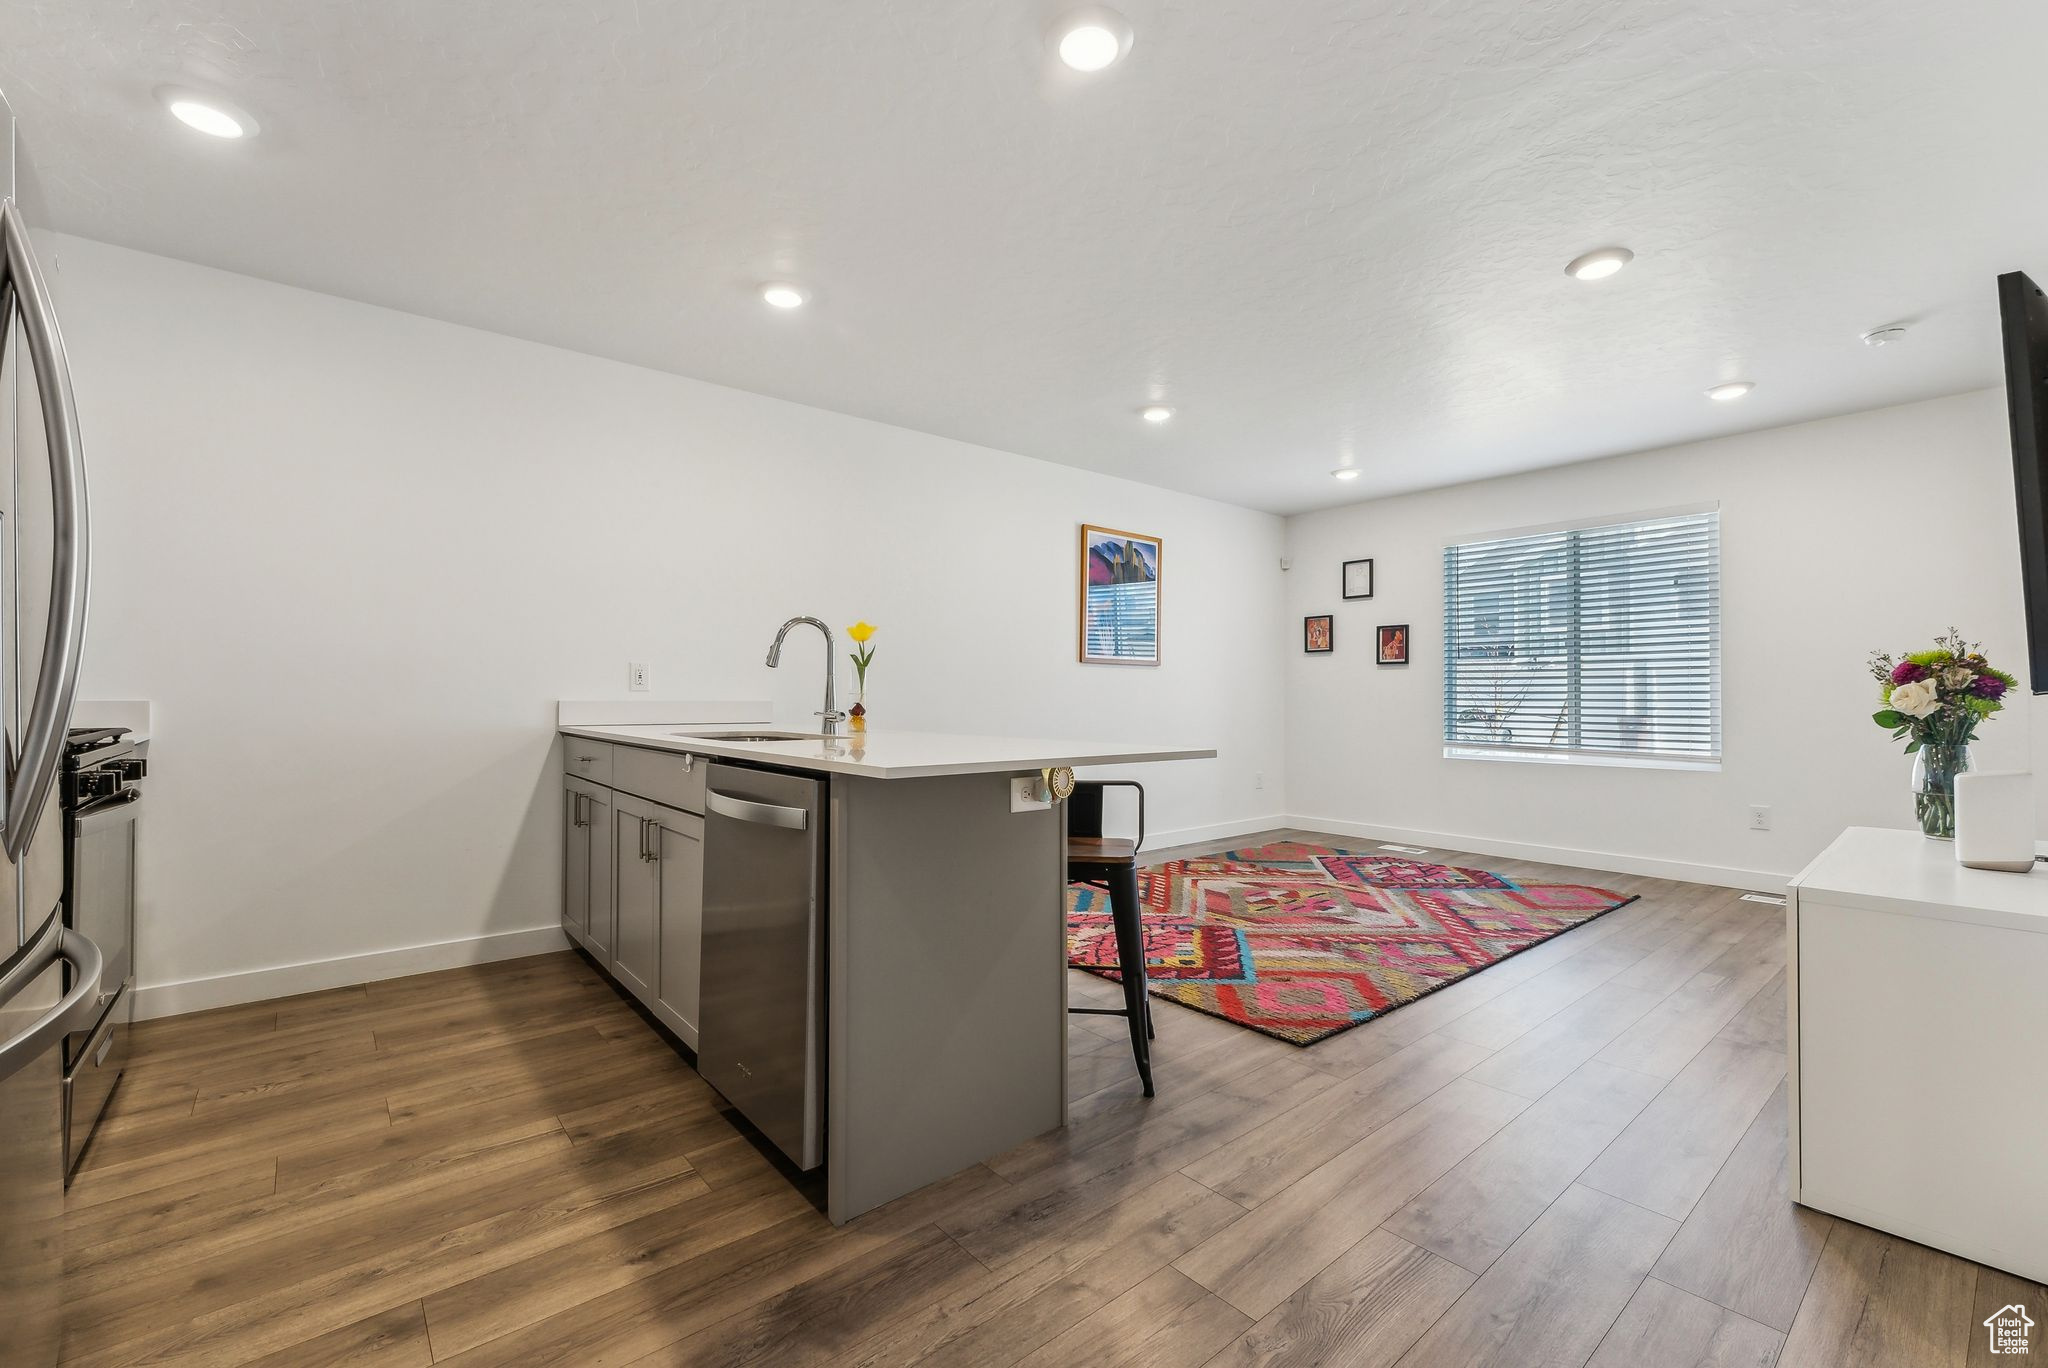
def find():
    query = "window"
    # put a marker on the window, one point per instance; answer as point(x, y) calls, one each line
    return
point(1597, 643)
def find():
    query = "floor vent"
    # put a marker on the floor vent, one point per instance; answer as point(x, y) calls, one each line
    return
point(1406, 850)
point(1771, 899)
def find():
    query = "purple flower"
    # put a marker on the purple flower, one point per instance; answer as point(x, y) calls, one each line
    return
point(1908, 672)
point(1988, 686)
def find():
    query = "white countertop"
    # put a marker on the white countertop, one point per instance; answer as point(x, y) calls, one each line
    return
point(1901, 871)
point(892, 754)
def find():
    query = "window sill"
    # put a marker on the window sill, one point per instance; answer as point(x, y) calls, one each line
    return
point(1610, 760)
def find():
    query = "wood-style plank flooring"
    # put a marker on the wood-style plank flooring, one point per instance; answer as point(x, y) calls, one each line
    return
point(1576, 1156)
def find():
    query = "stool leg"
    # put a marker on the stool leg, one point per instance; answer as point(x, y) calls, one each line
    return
point(1127, 917)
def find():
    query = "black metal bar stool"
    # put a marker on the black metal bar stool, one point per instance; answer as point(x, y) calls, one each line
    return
point(1111, 864)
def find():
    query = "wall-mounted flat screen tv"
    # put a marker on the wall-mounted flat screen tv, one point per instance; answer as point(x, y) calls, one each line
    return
point(2025, 311)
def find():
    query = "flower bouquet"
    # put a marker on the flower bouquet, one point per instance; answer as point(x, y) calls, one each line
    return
point(861, 632)
point(1937, 698)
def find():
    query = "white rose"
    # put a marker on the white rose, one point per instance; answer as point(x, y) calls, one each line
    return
point(1958, 677)
point(1917, 699)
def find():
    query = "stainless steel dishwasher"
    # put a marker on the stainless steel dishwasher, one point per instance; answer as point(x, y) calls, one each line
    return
point(761, 1032)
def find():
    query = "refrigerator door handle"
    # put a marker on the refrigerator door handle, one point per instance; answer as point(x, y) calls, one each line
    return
point(42, 740)
point(73, 1012)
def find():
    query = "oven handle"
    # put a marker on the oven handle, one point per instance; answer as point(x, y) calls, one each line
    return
point(97, 1041)
point(99, 807)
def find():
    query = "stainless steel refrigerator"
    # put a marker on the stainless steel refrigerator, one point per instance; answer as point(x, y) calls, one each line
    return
point(49, 974)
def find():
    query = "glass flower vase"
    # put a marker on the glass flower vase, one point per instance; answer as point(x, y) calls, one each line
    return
point(1935, 768)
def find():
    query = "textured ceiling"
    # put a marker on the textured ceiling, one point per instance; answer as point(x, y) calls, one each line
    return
point(1325, 231)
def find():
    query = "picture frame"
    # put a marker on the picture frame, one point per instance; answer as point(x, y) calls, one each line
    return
point(1319, 634)
point(1358, 581)
point(1391, 644)
point(1120, 596)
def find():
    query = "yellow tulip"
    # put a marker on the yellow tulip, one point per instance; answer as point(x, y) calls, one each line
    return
point(861, 631)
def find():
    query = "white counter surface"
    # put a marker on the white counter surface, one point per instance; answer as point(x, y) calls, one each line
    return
point(891, 754)
point(1902, 872)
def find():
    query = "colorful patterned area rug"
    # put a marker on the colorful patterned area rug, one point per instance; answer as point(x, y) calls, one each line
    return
point(1304, 941)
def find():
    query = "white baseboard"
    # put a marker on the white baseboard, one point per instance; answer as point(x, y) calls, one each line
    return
point(1683, 871)
point(1221, 831)
point(287, 980)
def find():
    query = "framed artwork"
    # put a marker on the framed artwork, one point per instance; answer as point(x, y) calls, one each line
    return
point(1318, 634)
point(1393, 644)
point(1120, 587)
point(1358, 579)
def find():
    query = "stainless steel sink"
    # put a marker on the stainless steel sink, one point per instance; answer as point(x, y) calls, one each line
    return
point(750, 736)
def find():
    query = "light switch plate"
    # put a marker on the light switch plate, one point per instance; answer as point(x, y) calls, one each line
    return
point(636, 676)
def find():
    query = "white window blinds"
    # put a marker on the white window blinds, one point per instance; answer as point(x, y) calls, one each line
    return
point(1601, 641)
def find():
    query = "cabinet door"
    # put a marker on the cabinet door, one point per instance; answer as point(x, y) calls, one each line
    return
point(680, 839)
point(597, 813)
point(636, 944)
point(575, 864)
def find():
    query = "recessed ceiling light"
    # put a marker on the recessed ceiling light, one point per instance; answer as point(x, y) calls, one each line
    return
point(1879, 337)
point(1730, 392)
point(1346, 472)
point(781, 294)
point(1601, 264)
point(1155, 413)
point(1092, 39)
point(213, 117)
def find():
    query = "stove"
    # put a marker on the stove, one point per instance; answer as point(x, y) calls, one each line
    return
point(101, 794)
point(102, 766)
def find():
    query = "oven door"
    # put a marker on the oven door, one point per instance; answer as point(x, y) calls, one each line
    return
point(102, 903)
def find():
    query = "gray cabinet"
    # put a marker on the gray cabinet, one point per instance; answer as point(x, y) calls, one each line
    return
point(587, 866)
point(658, 871)
point(678, 840)
point(575, 864)
point(633, 872)
point(636, 878)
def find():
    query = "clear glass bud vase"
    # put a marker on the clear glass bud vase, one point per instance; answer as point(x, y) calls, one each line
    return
point(1935, 769)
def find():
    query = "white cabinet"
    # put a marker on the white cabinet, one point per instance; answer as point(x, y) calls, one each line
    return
point(1917, 1012)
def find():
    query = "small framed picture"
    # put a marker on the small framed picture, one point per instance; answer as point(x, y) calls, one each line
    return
point(1393, 644)
point(1318, 634)
point(1358, 579)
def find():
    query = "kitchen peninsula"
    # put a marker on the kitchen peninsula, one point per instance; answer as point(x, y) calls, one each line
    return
point(933, 1034)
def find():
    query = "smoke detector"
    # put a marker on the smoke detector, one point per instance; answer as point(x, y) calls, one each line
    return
point(1884, 337)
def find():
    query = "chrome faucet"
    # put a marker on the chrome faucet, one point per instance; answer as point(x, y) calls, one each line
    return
point(833, 717)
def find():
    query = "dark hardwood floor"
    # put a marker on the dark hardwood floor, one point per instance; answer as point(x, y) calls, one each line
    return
point(1576, 1156)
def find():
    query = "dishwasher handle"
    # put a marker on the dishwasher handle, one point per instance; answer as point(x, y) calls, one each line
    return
point(761, 814)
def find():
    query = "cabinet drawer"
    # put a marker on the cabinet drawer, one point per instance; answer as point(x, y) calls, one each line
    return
point(666, 777)
point(583, 759)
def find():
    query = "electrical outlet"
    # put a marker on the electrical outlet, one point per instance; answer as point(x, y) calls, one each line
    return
point(1759, 817)
point(1027, 794)
point(636, 676)
point(1259, 779)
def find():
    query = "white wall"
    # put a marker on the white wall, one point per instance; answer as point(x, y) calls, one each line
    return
point(354, 557)
point(1870, 532)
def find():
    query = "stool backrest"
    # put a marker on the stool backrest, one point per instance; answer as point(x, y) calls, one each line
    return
point(1084, 806)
